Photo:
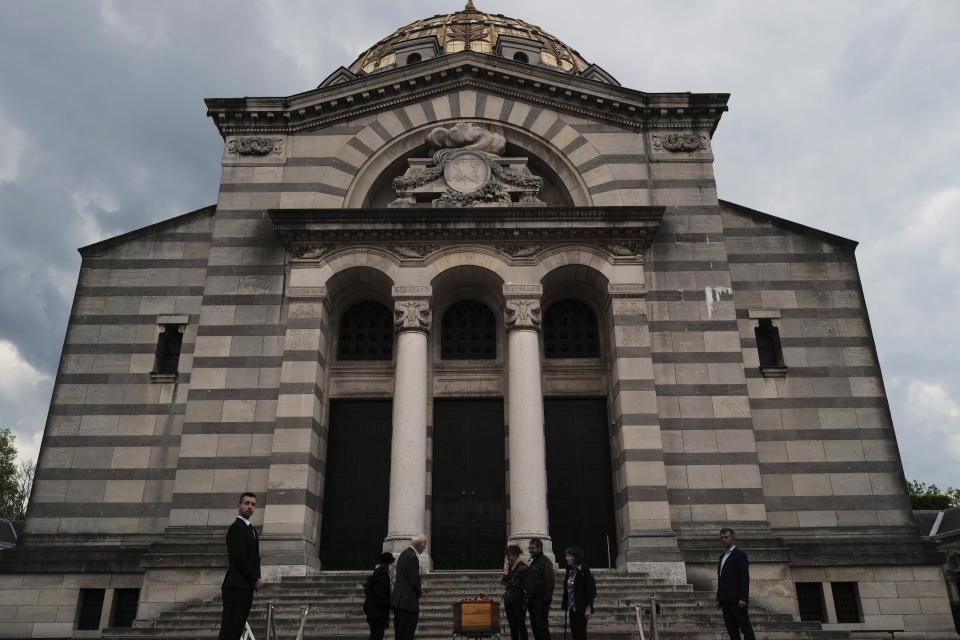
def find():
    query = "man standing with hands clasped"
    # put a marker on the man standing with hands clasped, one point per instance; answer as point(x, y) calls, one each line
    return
point(405, 598)
point(733, 587)
point(243, 576)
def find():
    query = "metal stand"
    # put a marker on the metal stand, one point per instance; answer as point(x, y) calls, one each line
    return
point(654, 610)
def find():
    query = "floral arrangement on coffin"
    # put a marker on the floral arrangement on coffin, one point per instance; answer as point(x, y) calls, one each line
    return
point(479, 598)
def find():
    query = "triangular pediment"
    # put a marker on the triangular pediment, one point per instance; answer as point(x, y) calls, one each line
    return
point(339, 76)
point(344, 100)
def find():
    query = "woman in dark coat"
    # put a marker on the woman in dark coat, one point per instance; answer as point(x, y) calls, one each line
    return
point(579, 590)
point(377, 603)
point(514, 596)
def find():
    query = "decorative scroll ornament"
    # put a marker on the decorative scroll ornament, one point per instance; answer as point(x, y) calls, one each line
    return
point(413, 251)
point(311, 253)
point(411, 314)
point(255, 146)
point(523, 314)
point(518, 250)
point(628, 248)
point(676, 142)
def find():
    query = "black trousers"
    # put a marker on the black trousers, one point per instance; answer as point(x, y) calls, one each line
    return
point(516, 616)
point(405, 623)
point(539, 610)
point(236, 608)
point(737, 619)
point(578, 625)
point(378, 626)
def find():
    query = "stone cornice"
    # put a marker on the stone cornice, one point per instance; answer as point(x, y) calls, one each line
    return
point(624, 233)
point(346, 101)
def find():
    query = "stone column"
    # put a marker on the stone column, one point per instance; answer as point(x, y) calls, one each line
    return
point(528, 451)
point(408, 450)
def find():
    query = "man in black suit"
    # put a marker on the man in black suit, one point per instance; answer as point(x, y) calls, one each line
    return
point(243, 576)
point(733, 587)
point(405, 598)
point(539, 587)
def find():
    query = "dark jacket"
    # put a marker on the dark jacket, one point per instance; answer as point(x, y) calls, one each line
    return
point(733, 583)
point(584, 588)
point(515, 584)
point(539, 578)
point(243, 552)
point(406, 590)
point(377, 603)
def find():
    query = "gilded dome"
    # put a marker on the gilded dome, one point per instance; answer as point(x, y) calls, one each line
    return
point(474, 30)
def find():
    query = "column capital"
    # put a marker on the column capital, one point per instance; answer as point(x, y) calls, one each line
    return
point(522, 313)
point(411, 308)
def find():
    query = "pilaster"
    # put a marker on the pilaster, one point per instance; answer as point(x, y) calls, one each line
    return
point(647, 542)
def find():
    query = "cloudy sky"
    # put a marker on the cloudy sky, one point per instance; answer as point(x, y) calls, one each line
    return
point(843, 116)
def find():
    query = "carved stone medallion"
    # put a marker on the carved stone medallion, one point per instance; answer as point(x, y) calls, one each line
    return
point(466, 172)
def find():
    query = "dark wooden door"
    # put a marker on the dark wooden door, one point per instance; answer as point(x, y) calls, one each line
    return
point(469, 522)
point(579, 482)
point(356, 491)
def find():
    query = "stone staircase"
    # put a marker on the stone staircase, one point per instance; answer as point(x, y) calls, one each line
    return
point(336, 601)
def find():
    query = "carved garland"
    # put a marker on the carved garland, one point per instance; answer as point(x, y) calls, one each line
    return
point(255, 146)
point(677, 142)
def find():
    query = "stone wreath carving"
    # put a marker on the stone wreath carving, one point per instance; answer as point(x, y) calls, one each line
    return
point(677, 142)
point(411, 314)
point(489, 193)
point(523, 314)
point(255, 145)
point(401, 183)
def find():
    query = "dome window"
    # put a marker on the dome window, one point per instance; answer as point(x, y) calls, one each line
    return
point(414, 58)
point(520, 56)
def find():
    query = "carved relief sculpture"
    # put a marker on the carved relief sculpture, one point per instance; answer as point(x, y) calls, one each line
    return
point(676, 142)
point(466, 170)
point(411, 314)
point(523, 314)
point(255, 146)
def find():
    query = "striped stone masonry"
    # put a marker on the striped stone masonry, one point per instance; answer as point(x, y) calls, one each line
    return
point(648, 543)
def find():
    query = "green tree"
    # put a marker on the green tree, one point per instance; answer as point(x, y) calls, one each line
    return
point(924, 496)
point(10, 498)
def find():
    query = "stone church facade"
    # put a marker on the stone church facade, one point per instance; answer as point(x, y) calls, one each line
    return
point(471, 286)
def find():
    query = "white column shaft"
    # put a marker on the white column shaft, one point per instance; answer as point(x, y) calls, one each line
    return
point(408, 452)
point(528, 457)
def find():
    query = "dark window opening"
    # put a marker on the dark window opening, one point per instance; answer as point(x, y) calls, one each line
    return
point(91, 607)
point(810, 601)
point(768, 344)
point(468, 332)
point(570, 331)
point(169, 342)
point(520, 56)
point(125, 604)
point(846, 601)
point(414, 58)
point(366, 332)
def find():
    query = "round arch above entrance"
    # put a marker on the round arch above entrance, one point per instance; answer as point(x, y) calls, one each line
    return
point(387, 162)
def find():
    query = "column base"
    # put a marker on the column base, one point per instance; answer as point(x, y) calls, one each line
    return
point(286, 555)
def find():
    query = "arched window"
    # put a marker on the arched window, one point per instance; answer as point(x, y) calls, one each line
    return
point(468, 332)
point(570, 331)
point(366, 332)
point(414, 58)
point(520, 56)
